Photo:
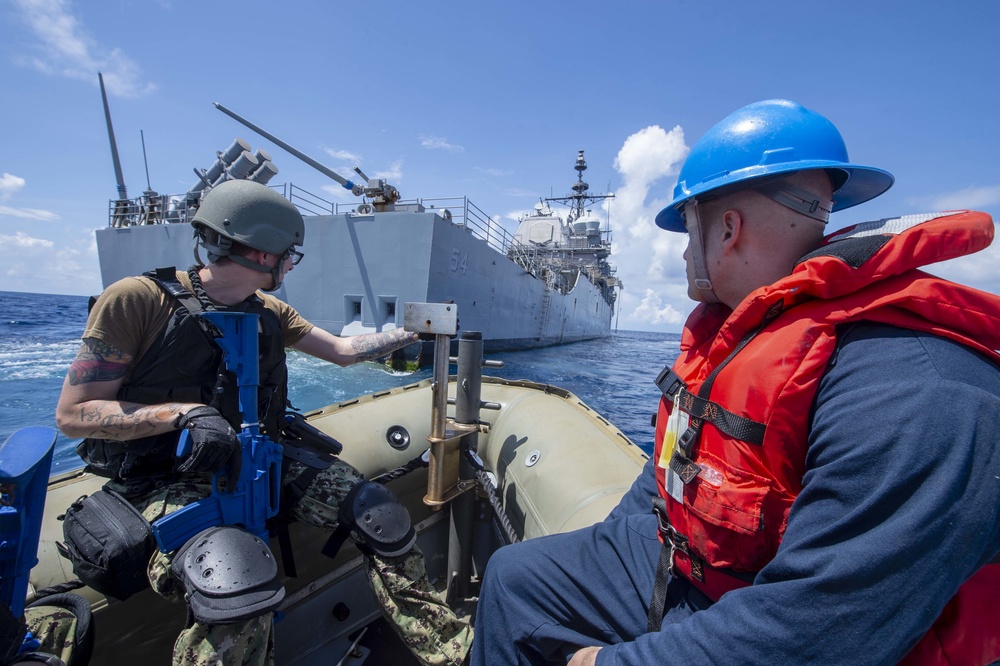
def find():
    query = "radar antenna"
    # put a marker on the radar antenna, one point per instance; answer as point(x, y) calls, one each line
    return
point(580, 199)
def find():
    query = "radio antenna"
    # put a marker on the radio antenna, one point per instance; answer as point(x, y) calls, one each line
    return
point(122, 194)
point(144, 162)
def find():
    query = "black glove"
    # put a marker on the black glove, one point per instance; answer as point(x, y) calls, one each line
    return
point(213, 442)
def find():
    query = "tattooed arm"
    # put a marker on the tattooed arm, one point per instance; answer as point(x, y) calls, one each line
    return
point(88, 406)
point(354, 349)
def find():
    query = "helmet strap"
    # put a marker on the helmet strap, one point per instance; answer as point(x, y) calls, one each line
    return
point(215, 244)
point(222, 248)
point(696, 245)
point(796, 198)
point(197, 256)
point(275, 272)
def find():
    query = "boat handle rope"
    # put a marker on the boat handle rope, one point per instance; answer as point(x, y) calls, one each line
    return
point(491, 494)
point(402, 470)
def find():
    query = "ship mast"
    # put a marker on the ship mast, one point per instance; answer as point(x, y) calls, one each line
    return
point(580, 199)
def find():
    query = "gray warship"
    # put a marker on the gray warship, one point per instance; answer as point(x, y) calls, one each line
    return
point(549, 283)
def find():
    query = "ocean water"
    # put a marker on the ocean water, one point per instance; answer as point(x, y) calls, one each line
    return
point(40, 335)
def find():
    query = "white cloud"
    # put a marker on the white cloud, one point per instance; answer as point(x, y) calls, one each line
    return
point(66, 48)
point(975, 198)
point(649, 259)
point(440, 143)
point(344, 155)
point(516, 192)
point(651, 154)
point(393, 174)
point(516, 215)
point(339, 193)
point(493, 172)
point(10, 184)
point(67, 265)
point(980, 270)
point(652, 310)
point(21, 242)
point(28, 213)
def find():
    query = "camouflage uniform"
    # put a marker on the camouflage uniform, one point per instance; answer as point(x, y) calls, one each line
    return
point(54, 627)
point(431, 630)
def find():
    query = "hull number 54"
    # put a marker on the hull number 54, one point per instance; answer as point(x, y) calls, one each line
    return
point(459, 261)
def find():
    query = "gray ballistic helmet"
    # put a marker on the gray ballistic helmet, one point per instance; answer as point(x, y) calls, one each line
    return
point(249, 213)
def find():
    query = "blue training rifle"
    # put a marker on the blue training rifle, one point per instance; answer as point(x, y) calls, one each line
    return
point(25, 461)
point(258, 491)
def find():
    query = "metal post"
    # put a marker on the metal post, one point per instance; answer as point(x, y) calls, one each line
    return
point(439, 411)
point(467, 403)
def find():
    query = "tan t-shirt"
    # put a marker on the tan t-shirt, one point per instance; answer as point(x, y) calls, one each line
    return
point(131, 313)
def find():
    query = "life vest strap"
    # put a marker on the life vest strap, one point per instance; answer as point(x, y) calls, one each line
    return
point(703, 409)
point(713, 581)
point(728, 423)
point(663, 570)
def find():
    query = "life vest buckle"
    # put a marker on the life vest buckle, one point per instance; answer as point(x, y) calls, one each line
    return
point(671, 537)
point(669, 382)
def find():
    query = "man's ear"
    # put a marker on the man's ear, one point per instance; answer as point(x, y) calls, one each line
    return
point(731, 229)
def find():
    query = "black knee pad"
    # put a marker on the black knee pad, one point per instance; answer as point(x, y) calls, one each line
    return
point(378, 519)
point(229, 576)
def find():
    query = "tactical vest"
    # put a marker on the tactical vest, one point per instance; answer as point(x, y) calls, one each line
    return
point(747, 380)
point(185, 365)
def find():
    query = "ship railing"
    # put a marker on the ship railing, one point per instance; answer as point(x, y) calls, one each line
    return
point(163, 209)
point(307, 202)
point(471, 217)
point(462, 213)
point(527, 258)
point(150, 208)
point(154, 208)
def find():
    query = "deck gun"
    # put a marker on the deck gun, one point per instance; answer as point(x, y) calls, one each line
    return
point(25, 461)
point(258, 491)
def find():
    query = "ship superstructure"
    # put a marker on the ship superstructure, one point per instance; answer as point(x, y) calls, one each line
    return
point(549, 283)
point(561, 251)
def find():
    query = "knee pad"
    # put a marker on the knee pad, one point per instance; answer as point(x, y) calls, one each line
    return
point(378, 519)
point(229, 576)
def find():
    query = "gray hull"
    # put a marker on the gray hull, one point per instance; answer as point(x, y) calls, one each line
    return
point(361, 269)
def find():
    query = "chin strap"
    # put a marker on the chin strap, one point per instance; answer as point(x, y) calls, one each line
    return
point(798, 199)
point(220, 250)
point(696, 246)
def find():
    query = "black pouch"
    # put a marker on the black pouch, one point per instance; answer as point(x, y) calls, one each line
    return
point(109, 543)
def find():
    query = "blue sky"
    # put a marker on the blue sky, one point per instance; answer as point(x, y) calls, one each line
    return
point(485, 99)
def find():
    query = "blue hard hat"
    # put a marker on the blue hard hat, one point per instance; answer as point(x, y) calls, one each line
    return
point(767, 138)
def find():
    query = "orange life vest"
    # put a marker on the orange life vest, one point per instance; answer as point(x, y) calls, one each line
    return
point(749, 378)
